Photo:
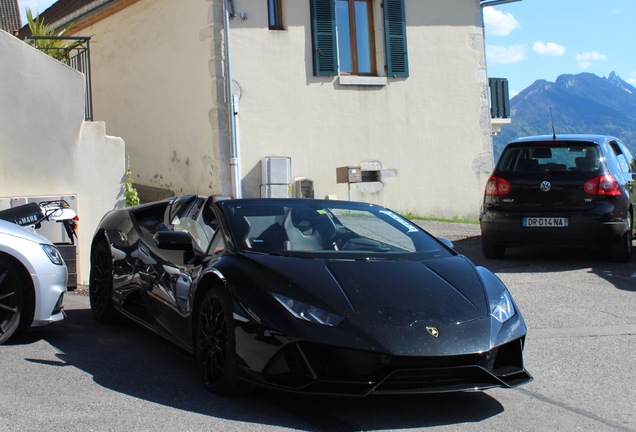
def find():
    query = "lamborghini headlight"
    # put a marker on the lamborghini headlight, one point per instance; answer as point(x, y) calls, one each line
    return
point(307, 312)
point(504, 309)
point(53, 254)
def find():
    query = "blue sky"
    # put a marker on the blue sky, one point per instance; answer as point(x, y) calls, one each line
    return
point(542, 39)
point(36, 6)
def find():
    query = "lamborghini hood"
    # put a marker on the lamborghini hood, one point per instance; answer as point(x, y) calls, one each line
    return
point(404, 308)
point(395, 293)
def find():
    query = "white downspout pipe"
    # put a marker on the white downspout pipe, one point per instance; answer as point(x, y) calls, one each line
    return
point(235, 165)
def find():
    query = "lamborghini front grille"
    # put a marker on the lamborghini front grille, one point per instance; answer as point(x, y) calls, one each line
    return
point(324, 369)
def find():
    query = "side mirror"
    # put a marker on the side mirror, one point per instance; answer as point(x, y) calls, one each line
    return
point(174, 240)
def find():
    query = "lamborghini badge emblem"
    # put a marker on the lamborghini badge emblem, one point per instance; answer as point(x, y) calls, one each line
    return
point(433, 331)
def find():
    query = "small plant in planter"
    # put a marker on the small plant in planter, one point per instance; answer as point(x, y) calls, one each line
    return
point(132, 198)
point(57, 48)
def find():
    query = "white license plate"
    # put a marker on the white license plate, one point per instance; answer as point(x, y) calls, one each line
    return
point(543, 222)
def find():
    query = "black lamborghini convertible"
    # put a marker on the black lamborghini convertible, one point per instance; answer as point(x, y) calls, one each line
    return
point(303, 295)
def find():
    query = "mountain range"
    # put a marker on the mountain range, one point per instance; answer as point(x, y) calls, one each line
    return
point(582, 103)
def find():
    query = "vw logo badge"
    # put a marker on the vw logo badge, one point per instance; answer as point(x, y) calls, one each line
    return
point(433, 331)
point(545, 186)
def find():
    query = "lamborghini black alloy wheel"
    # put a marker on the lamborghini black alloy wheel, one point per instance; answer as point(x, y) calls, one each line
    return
point(9, 300)
point(212, 339)
point(101, 284)
point(215, 344)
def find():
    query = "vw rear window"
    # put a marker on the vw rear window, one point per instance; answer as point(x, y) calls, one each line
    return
point(547, 157)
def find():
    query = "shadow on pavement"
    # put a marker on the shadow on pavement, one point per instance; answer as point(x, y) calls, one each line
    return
point(128, 359)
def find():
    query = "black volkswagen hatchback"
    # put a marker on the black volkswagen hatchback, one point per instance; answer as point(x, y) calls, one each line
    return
point(563, 190)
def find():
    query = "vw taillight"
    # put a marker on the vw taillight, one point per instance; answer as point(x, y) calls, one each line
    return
point(603, 185)
point(496, 186)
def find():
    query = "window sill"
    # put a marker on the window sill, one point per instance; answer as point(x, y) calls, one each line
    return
point(362, 80)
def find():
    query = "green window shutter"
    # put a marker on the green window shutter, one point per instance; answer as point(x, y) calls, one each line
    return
point(397, 59)
point(323, 37)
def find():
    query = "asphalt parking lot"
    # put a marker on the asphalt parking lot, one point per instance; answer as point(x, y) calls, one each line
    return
point(581, 349)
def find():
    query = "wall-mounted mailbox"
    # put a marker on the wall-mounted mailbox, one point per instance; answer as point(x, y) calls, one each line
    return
point(348, 174)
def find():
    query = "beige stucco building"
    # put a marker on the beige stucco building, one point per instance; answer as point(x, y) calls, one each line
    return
point(408, 104)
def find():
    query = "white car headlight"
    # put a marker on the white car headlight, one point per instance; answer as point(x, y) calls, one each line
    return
point(53, 254)
point(307, 312)
point(504, 309)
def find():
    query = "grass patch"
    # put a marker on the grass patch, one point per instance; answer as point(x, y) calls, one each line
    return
point(456, 219)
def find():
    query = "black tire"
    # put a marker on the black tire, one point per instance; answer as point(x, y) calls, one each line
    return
point(100, 288)
point(10, 300)
point(215, 344)
point(492, 251)
point(621, 251)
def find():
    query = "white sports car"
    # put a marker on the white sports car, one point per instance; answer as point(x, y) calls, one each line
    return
point(32, 280)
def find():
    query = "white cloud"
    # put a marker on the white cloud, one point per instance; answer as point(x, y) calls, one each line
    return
point(503, 55)
point(498, 23)
point(632, 79)
point(586, 59)
point(549, 49)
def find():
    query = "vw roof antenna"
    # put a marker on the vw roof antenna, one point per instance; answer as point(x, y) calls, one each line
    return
point(552, 121)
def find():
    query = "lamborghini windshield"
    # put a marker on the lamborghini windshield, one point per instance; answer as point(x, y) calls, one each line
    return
point(327, 229)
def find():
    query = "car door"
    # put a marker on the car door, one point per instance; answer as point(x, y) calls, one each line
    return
point(169, 281)
point(168, 273)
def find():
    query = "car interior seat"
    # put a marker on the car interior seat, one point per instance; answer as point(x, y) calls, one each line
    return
point(302, 230)
point(273, 238)
point(207, 219)
point(551, 166)
point(242, 231)
point(529, 165)
point(589, 162)
point(195, 230)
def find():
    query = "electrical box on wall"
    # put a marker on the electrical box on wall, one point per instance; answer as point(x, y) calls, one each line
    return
point(303, 188)
point(276, 170)
point(276, 177)
point(348, 174)
point(276, 191)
